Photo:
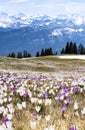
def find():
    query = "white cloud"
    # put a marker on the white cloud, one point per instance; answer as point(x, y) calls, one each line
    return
point(18, 1)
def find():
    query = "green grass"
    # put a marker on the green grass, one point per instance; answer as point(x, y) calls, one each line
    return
point(43, 64)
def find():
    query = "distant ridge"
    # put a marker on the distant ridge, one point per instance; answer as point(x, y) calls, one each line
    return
point(32, 33)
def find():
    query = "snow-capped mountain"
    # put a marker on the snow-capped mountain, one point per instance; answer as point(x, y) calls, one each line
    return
point(33, 33)
point(22, 20)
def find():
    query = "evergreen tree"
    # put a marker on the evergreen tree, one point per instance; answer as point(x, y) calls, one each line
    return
point(75, 48)
point(28, 55)
point(19, 55)
point(50, 51)
point(37, 54)
point(81, 49)
point(56, 53)
point(71, 48)
point(42, 52)
point(67, 48)
point(63, 51)
point(12, 55)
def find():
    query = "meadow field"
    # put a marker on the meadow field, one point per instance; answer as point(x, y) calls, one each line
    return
point(43, 93)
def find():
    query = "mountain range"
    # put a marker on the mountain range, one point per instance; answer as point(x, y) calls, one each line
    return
point(32, 33)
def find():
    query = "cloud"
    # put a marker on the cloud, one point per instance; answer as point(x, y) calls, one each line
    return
point(18, 1)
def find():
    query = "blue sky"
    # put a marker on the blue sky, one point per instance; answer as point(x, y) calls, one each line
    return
point(43, 7)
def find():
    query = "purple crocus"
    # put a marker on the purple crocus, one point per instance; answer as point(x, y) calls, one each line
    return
point(76, 88)
point(5, 120)
point(46, 94)
point(72, 128)
point(26, 94)
point(13, 89)
point(64, 108)
point(35, 115)
point(67, 100)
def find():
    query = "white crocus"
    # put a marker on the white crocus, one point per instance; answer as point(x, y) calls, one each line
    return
point(9, 125)
point(75, 105)
point(19, 106)
point(5, 99)
point(51, 127)
point(37, 108)
point(5, 111)
point(24, 104)
point(33, 125)
point(47, 118)
point(9, 116)
point(76, 113)
point(48, 102)
point(1, 101)
point(40, 101)
point(83, 111)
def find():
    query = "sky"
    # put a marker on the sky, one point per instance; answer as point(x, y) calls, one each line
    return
point(43, 7)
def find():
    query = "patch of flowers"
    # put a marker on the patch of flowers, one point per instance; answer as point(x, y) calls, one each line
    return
point(40, 91)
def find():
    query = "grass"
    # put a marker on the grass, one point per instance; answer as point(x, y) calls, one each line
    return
point(41, 64)
point(49, 64)
point(56, 118)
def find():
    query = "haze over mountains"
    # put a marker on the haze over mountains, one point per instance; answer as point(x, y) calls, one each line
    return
point(32, 33)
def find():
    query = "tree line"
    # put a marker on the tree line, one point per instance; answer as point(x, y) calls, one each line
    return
point(45, 52)
point(23, 54)
point(72, 48)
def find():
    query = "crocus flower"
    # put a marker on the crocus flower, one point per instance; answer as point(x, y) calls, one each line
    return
point(33, 125)
point(35, 115)
point(26, 94)
point(72, 128)
point(75, 105)
point(47, 118)
point(46, 94)
point(5, 120)
point(83, 111)
point(64, 108)
point(76, 88)
point(67, 100)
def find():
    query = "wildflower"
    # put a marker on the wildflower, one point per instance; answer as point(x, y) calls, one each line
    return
point(76, 88)
point(67, 100)
point(76, 113)
point(72, 128)
point(33, 125)
point(40, 101)
point(75, 105)
point(26, 94)
point(64, 108)
point(37, 108)
point(9, 116)
point(47, 118)
point(5, 120)
point(19, 106)
point(51, 127)
point(46, 94)
point(24, 104)
point(48, 102)
point(83, 111)
point(13, 89)
point(35, 115)
point(9, 125)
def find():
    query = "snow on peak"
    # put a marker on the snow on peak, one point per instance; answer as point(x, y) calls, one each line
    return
point(57, 32)
point(71, 30)
point(78, 20)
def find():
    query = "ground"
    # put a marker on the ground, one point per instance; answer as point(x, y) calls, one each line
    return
point(59, 72)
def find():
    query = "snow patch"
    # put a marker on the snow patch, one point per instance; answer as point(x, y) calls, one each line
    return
point(57, 32)
point(78, 20)
point(82, 57)
point(71, 30)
